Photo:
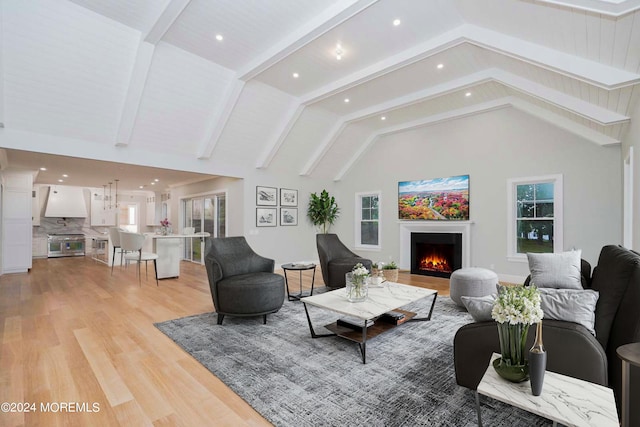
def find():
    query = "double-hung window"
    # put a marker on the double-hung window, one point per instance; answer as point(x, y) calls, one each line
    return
point(535, 216)
point(368, 220)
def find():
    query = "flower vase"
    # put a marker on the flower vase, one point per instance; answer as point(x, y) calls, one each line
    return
point(512, 365)
point(357, 287)
point(537, 362)
point(164, 231)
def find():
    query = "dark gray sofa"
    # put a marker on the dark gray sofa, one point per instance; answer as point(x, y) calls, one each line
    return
point(242, 282)
point(571, 349)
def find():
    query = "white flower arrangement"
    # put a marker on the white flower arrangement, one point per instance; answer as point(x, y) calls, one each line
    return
point(359, 271)
point(517, 304)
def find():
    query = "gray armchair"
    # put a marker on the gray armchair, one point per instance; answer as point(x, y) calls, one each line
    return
point(336, 260)
point(242, 282)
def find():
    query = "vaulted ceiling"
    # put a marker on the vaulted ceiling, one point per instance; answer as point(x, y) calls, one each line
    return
point(149, 81)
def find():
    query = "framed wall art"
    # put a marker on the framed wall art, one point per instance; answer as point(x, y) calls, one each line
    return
point(266, 217)
point(266, 196)
point(434, 199)
point(288, 216)
point(288, 197)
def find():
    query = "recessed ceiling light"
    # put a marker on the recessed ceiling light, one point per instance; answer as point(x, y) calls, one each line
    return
point(153, 183)
point(142, 186)
point(468, 94)
point(219, 37)
point(396, 22)
point(61, 180)
point(346, 100)
point(296, 75)
point(383, 118)
point(64, 175)
point(43, 169)
point(156, 180)
point(339, 52)
point(440, 66)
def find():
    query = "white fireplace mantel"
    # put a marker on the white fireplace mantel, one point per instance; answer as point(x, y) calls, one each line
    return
point(408, 227)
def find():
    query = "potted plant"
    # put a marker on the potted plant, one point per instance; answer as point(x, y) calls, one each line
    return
point(322, 210)
point(391, 271)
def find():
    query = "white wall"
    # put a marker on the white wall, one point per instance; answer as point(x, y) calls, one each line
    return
point(491, 148)
point(632, 139)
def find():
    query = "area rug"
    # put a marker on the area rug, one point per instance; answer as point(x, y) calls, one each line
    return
point(294, 380)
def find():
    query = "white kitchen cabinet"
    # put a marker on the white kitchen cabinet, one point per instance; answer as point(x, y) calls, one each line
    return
point(152, 217)
point(35, 206)
point(40, 249)
point(103, 213)
point(17, 211)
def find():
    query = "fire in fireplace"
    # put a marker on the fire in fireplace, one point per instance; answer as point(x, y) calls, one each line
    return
point(436, 254)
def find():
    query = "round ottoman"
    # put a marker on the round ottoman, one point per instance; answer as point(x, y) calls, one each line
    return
point(472, 282)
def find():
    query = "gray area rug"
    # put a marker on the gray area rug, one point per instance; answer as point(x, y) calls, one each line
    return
point(294, 380)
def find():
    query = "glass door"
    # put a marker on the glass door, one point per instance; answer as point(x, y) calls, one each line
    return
point(204, 214)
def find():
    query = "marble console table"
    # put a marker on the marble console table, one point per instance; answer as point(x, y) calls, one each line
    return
point(168, 248)
point(565, 400)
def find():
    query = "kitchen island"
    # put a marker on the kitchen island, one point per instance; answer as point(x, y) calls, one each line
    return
point(169, 250)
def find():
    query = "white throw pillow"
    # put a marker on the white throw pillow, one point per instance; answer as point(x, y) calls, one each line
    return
point(560, 270)
point(479, 307)
point(577, 306)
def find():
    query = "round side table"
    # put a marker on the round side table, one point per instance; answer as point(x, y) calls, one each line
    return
point(300, 268)
point(630, 355)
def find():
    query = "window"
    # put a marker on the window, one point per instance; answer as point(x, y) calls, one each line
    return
point(535, 216)
point(368, 220)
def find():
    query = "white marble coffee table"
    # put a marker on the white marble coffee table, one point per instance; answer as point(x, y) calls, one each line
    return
point(381, 299)
point(565, 400)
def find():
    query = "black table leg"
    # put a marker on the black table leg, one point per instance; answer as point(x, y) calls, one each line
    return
point(313, 333)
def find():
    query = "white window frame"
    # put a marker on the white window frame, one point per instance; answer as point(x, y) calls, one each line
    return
point(358, 220)
point(558, 202)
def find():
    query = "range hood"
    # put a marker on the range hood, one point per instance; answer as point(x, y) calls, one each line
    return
point(66, 202)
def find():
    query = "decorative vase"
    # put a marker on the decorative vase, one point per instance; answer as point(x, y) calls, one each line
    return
point(537, 362)
point(512, 365)
point(164, 231)
point(357, 287)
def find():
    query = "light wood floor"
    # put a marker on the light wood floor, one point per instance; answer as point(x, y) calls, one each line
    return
point(71, 332)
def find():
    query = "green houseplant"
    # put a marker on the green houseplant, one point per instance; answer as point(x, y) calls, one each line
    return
point(390, 271)
point(322, 210)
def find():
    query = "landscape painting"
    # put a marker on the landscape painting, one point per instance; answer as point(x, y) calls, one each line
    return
point(434, 199)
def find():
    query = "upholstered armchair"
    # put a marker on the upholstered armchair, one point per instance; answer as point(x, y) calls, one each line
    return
point(242, 282)
point(336, 260)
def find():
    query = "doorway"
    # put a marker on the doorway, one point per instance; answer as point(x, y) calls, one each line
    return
point(128, 214)
point(205, 214)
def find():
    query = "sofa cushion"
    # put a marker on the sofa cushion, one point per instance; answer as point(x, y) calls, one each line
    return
point(558, 270)
point(611, 278)
point(479, 307)
point(570, 305)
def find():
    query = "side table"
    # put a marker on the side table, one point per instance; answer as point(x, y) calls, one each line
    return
point(565, 400)
point(630, 355)
point(300, 268)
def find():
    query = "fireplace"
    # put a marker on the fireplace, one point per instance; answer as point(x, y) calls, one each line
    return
point(436, 254)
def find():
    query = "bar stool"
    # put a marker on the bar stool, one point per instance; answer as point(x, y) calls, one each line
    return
point(132, 244)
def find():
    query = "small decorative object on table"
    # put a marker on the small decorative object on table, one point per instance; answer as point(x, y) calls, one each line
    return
point(166, 224)
point(356, 283)
point(537, 362)
point(377, 276)
point(515, 309)
point(391, 271)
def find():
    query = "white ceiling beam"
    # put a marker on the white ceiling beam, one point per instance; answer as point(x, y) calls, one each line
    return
point(509, 101)
point(609, 8)
point(219, 121)
point(591, 72)
point(591, 112)
point(403, 59)
point(564, 123)
point(137, 82)
point(323, 148)
point(422, 122)
point(273, 146)
point(166, 19)
point(305, 34)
